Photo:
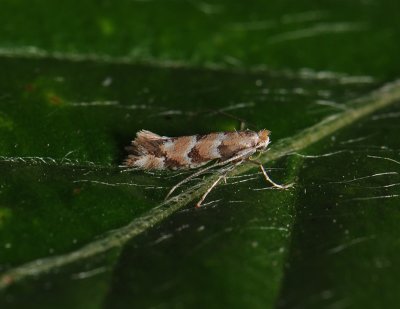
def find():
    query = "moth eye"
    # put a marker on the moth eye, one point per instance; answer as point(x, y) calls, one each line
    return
point(264, 135)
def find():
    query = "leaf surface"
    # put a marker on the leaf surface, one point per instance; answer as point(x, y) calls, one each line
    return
point(79, 231)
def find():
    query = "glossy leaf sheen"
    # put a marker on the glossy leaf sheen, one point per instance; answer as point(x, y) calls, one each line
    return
point(76, 231)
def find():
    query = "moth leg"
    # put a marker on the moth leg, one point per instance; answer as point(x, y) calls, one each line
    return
point(267, 177)
point(223, 176)
point(198, 173)
point(209, 190)
point(233, 159)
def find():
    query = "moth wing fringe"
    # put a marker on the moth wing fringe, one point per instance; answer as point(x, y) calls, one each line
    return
point(130, 160)
point(148, 135)
point(144, 143)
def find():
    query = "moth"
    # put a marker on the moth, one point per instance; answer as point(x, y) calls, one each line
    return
point(150, 151)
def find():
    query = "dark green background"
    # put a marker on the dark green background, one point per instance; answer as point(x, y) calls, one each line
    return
point(78, 80)
point(357, 37)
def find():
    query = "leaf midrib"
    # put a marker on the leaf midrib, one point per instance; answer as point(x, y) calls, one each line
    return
point(356, 109)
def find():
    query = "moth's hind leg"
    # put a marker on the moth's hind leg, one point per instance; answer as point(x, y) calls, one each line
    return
point(209, 190)
point(239, 157)
point(267, 177)
point(223, 176)
point(198, 173)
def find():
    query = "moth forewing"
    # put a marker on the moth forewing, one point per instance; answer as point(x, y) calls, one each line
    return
point(150, 151)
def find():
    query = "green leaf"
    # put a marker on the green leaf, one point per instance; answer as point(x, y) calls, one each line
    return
point(346, 36)
point(79, 231)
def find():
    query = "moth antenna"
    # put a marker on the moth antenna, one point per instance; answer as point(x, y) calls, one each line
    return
point(243, 122)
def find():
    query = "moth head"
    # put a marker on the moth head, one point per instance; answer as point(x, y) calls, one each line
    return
point(263, 137)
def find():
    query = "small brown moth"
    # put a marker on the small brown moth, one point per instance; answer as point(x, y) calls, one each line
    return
point(151, 151)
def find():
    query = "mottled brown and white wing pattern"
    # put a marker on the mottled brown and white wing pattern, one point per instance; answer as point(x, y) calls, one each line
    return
point(152, 151)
